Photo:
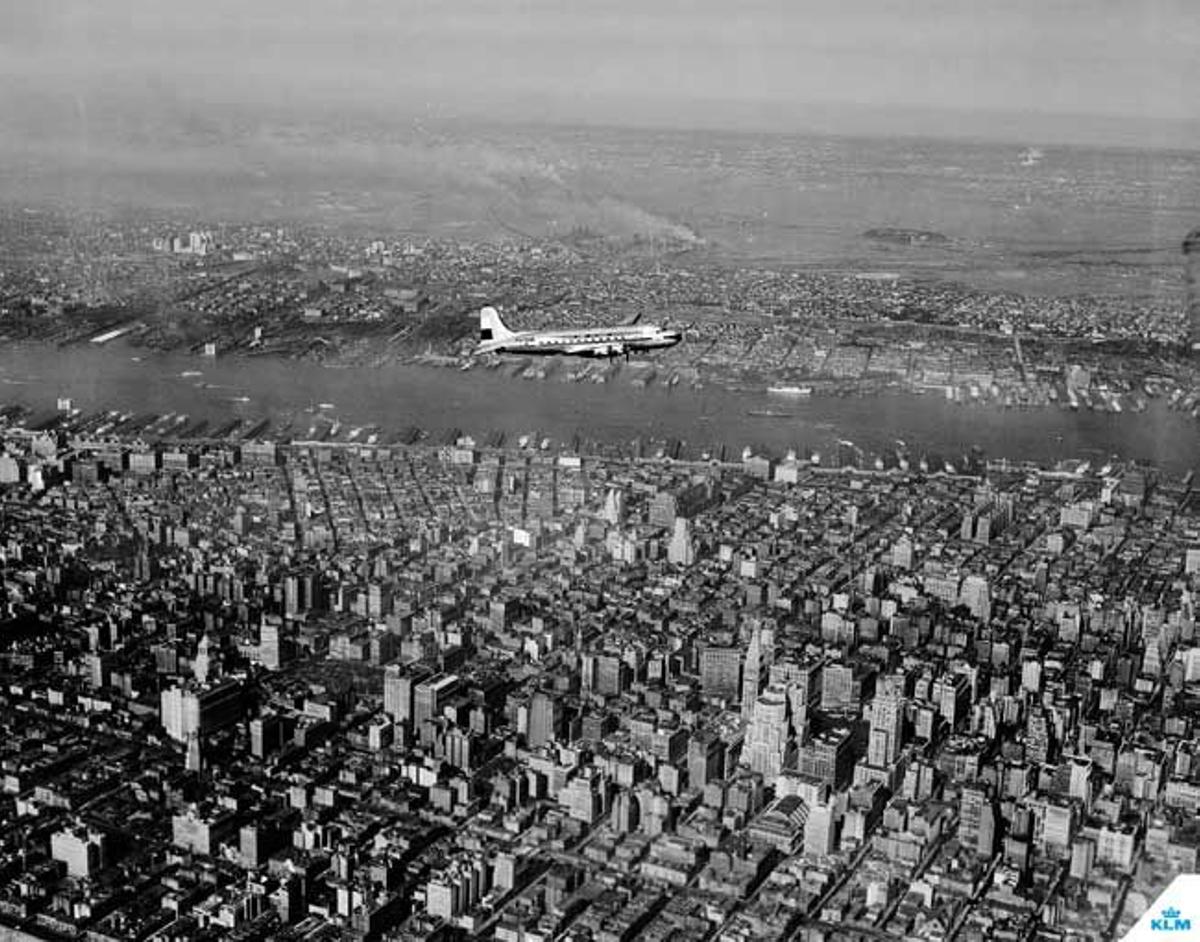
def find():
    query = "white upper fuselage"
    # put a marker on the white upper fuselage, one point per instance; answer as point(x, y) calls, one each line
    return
point(586, 341)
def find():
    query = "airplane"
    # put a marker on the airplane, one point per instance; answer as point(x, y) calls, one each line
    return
point(495, 337)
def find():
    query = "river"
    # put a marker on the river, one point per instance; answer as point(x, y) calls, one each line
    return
point(116, 376)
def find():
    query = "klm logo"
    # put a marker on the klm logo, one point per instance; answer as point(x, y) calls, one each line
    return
point(1170, 921)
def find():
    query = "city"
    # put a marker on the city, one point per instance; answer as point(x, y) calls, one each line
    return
point(265, 691)
point(343, 301)
point(614, 472)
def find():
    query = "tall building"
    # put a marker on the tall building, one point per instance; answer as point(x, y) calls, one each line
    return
point(828, 757)
point(614, 507)
point(399, 684)
point(545, 713)
point(820, 830)
point(1039, 737)
point(951, 694)
point(195, 761)
point(610, 675)
point(705, 758)
point(83, 850)
point(978, 818)
point(394, 698)
point(803, 681)
point(837, 687)
point(886, 716)
point(768, 739)
point(583, 798)
point(682, 550)
point(1054, 826)
point(430, 697)
point(187, 710)
point(975, 595)
point(294, 602)
point(266, 735)
point(721, 670)
point(752, 673)
point(663, 509)
point(272, 651)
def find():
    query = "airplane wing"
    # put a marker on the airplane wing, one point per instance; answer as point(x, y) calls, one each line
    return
point(594, 349)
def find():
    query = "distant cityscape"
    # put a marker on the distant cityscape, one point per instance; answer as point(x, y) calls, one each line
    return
point(340, 300)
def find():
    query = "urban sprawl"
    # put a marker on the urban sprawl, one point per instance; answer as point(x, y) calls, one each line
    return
point(335, 298)
point(267, 691)
point(387, 686)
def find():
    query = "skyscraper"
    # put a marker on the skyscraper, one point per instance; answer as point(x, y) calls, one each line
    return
point(720, 670)
point(829, 757)
point(887, 722)
point(705, 758)
point(206, 665)
point(752, 674)
point(544, 713)
point(977, 819)
point(681, 551)
point(398, 690)
point(769, 736)
point(394, 693)
point(976, 595)
point(270, 645)
point(200, 709)
point(429, 696)
point(803, 681)
point(614, 507)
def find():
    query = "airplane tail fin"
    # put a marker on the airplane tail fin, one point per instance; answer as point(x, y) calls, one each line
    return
point(633, 320)
point(491, 327)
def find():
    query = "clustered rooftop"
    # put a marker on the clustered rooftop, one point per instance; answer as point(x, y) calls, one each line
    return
point(412, 692)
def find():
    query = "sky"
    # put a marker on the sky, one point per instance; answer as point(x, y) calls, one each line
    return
point(844, 65)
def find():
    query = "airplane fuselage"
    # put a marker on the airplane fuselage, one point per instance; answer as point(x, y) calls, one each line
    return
point(588, 341)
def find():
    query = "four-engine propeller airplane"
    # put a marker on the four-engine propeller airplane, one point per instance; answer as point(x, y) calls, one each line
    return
point(495, 337)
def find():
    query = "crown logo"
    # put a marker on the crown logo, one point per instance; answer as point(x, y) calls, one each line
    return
point(1170, 913)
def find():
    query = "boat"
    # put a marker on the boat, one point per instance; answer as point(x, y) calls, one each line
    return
point(789, 390)
point(239, 398)
point(188, 374)
point(326, 405)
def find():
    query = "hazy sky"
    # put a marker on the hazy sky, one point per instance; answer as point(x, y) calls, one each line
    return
point(697, 62)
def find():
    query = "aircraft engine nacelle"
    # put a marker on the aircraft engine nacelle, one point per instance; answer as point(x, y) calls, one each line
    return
point(614, 350)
